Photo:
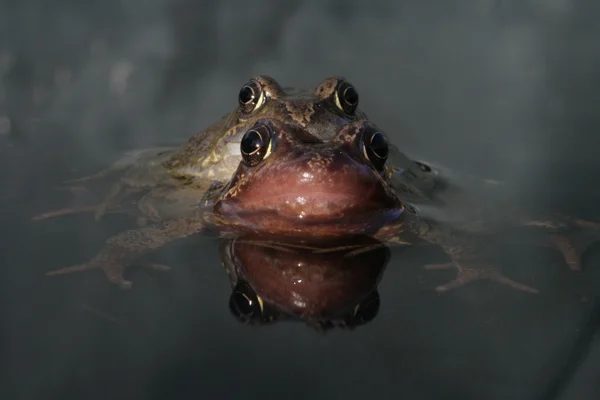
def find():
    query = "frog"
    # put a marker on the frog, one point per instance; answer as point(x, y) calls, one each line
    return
point(293, 196)
point(187, 212)
point(293, 184)
point(416, 183)
point(327, 286)
point(208, 158)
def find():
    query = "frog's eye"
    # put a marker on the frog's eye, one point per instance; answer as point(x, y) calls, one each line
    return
point(375, 147)
point(256, 144)
point(251, 97)
point(244, 304)
point(346, 98)
point(366, 310)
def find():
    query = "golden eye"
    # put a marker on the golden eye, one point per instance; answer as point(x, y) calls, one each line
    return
point(256, 144)
point(375, 147)
point(346, 98)
point(251, 97)
point(245, 304)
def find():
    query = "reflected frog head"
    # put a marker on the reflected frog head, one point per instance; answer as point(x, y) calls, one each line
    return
point(292, 183)
point(332, 286)
point(214, 153)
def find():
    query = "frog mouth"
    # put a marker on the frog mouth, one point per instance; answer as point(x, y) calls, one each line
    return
point(314, 190)
point(306, 222)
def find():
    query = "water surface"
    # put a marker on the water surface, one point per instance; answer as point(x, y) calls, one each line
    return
point(506, 91)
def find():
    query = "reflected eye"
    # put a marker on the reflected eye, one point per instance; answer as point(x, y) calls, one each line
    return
point(367, 310)
point(244, 304)
point(251, 97)
point(346, 98)
point(376, 148)
point(256, 144)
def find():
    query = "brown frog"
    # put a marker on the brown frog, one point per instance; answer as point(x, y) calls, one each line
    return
point(292, 183)
point(294, 186)
point(208, 159)
point(306, 185)
point(326, 286)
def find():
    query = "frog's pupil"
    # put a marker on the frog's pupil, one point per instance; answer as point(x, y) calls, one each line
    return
point(379, 145)
point(246, 95)
point(351, 96)
point(244, 303)
point(251, 142)
point(369, 308)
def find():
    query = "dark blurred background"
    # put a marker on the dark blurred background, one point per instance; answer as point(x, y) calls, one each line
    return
point(503, 89)
point(506, 87)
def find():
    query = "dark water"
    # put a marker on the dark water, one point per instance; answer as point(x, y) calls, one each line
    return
point(505, 89)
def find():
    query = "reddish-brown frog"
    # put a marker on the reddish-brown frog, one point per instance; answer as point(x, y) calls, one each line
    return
point(207, 160)
point(292, 183)
point(295, 186)
point(327, 286)
point(344, 193)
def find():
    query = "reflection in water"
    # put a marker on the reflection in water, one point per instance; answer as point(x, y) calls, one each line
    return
point(326, 286)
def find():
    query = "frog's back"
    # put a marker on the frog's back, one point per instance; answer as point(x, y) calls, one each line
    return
point(214, 153)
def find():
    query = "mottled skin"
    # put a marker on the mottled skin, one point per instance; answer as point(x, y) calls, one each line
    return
point(209, 158)
point(326, 286)
point(296, 185)
point(320, 112)
point(338, 192)
point(303, 186)
point(314, 177)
